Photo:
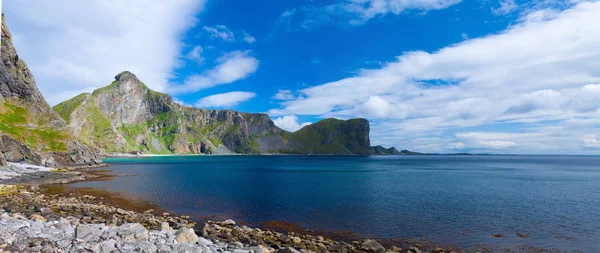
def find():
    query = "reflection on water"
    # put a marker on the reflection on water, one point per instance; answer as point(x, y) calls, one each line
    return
point(437, 197)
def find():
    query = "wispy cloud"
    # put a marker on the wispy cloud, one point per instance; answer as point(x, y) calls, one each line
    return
point(228, 99)
point(221, 32)
point(506, 7)
point(230, 67)
point(249, 38)
point(88, 42)
point(196, 55)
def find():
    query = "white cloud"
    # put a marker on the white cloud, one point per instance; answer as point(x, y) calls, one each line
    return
point(506, 7)
point(196, 55)
point(86, 43)
point(532, 74)
point(464, 36)
point(231, 67)
point(284, 95)
point(591, 143)
point(249, 39)
point(587, 99)
point(220, 31)
point(290, 123)
point(228, 99)
point(537, 100)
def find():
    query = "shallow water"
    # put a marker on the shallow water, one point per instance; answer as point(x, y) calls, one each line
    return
point(459, 200)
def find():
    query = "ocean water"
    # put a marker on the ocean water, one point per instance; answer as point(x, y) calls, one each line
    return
point(458, 200)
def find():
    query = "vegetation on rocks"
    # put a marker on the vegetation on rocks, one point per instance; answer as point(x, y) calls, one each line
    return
point(126, 116)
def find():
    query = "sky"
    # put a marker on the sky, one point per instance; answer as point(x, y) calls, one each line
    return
point(446, 76)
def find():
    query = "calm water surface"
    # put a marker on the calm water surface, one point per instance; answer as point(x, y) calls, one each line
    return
point(547, 197)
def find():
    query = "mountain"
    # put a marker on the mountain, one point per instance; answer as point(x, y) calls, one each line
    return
point(379, 150)
point(127, 116)
point(30, 131)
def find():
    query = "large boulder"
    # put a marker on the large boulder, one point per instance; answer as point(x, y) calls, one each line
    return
point(133, 232)
point(184, 235)
point(372, 246)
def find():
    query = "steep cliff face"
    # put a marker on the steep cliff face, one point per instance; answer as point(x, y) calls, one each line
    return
point(331, 136)
point(30, 130)
point(127, 116)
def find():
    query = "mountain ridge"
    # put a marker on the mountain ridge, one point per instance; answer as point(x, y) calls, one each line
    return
point(127, 116)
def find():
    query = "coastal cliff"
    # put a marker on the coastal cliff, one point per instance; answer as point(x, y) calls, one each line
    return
point(30, 131)
point(128, 117)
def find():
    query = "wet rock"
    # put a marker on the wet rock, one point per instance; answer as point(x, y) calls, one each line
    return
point(412, 250)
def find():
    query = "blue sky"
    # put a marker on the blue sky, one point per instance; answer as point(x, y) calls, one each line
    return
point(497, 76)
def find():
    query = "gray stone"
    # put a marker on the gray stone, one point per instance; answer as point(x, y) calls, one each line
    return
point(287, 250)
point(185, 248)
point(90, 233)
point(372, 246)
point(133, 232)
point(164, 226)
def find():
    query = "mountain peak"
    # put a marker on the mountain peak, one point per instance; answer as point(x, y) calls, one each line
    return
point(125, 75)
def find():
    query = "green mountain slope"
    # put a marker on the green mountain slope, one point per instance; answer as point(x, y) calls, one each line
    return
point(126, 116)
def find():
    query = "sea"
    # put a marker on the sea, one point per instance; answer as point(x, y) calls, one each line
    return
point(547, 202)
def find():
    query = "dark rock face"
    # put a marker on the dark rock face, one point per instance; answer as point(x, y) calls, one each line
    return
point(127, 116)
point(30, 131)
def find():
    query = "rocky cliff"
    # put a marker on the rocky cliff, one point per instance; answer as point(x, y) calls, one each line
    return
point(126, 116)
point(30, 131)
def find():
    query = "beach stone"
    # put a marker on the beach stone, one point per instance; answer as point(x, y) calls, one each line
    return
point(287, 250)
point(396, 249)
point(107, 246)
point(186, 235)
point(372, 246)
point(185, 248)
point(90, 233)
point(228, 223)
point(296, 240)
point(412, 250)
point(133, 232)
point(37, 217)
point(164, 226)
point(259, 249)
point(438, 250)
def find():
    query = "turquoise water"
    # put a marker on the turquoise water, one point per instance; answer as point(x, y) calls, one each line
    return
point(459, 200)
